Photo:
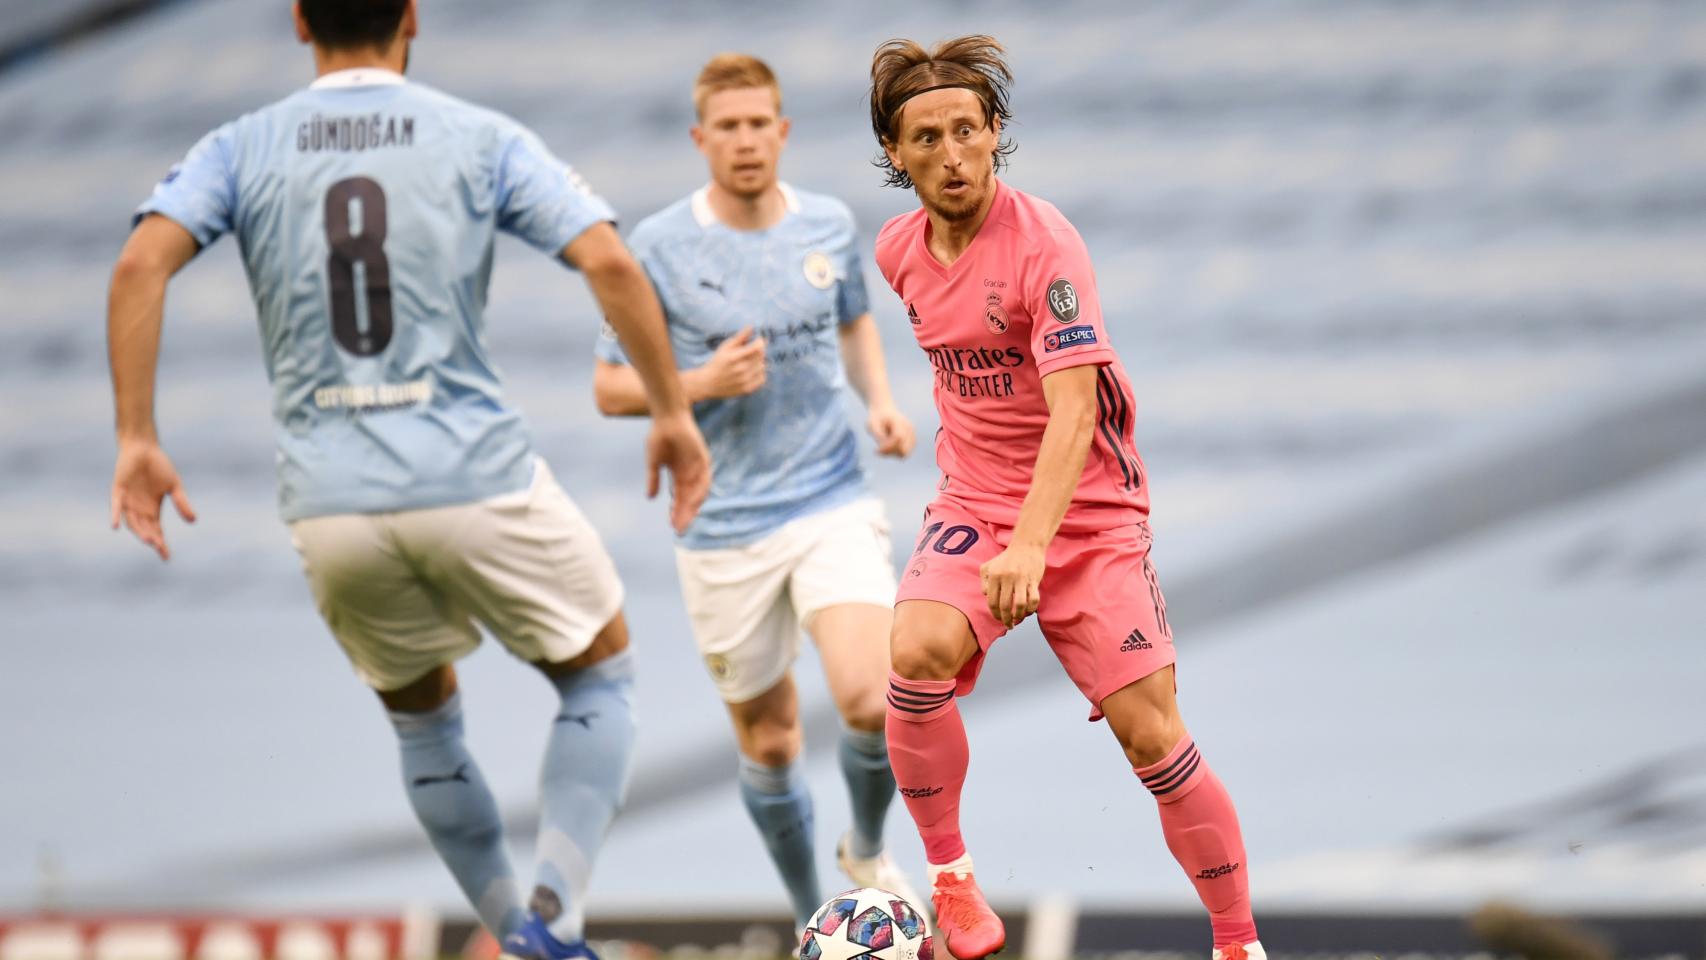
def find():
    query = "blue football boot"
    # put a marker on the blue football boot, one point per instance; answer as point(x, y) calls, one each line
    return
point(535, 942)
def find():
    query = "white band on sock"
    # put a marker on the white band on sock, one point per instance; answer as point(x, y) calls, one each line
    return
point(961, 867)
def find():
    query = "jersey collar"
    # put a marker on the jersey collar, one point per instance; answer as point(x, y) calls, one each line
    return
point(358, 77)
point(706, 217)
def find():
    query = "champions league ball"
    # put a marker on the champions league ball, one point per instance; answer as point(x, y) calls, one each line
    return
point(867, 922)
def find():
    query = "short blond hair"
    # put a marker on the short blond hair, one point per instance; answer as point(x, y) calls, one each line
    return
point(733, 71)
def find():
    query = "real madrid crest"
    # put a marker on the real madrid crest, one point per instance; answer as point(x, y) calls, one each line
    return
point(994, 314)
point(820, 273)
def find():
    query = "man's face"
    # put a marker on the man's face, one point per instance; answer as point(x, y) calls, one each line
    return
point(742, 135)
point(948, 150)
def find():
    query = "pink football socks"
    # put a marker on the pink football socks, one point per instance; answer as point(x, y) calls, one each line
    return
point(927, 748)
point(1201, 828)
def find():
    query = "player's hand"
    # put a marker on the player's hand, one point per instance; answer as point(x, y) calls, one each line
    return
point(675, 444)
point(893, 432)
point(142, 478)
point(735, 369)
point(1011, 582)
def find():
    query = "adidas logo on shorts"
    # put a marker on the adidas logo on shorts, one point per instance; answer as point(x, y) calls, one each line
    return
point(1135, 642)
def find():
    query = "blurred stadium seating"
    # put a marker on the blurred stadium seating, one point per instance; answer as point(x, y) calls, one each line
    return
point(26, 20)
point(1414, 300)
point(31, 28)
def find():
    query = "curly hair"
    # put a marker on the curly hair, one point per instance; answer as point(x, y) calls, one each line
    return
point(903, 69)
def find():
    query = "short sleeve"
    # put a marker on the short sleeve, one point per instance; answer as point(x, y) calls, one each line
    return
point(852, 300)
point(1066, 312)
point(607, 347)
point(887, 252)
point(199, 193)
point(543, 200)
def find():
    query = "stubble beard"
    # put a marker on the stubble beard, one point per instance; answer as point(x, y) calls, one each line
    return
point(956, 211)
point(952, 214)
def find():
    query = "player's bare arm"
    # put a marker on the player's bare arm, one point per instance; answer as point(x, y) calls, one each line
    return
point(143, 475)
point(736, 369)
point(631, 308)
point(862, 355)
point(1011, 581)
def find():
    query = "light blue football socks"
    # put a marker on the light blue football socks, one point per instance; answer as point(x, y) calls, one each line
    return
point(457, 809)
point(870, 788)
point(781, 808)
point(587, 761)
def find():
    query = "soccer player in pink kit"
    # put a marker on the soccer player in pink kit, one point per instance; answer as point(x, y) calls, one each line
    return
point(1040, 482)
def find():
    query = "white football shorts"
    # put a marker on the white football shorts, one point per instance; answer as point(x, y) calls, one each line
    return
point(749, 604)
point(402, 591)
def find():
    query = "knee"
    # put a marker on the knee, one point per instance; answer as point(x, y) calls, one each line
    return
point(1144, 748)
point(607, 645)
point(1147, 740)
point(771, 745)
point(768, 732)
point(1144, 716)
point(921, 654)
point(424, 695)
point(867, 712)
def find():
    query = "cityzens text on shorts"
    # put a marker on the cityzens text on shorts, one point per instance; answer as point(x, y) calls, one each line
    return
point(372, 397)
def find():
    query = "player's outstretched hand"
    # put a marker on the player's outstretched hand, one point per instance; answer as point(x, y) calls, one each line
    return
point(893, 432)
point(676, 445)
point(1011, 582)
point(736, 368)
point(142, 478)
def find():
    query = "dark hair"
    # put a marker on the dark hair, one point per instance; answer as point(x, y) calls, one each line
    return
point(902, 69)
point(347, 24)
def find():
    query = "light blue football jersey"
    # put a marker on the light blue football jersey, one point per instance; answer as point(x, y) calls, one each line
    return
point(787, 449)
point(366, 207)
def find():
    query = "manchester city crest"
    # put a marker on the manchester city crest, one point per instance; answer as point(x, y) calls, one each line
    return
point(719, 666)
point(820, 273)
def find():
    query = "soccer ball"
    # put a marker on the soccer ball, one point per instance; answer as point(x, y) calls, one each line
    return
point(867, 922)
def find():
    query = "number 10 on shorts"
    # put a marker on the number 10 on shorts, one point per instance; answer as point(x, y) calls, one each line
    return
point(953, 541)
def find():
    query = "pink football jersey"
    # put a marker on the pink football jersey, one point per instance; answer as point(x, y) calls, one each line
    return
point(1019, 304)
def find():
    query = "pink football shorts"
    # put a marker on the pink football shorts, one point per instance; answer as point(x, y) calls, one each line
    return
point(1101, 608)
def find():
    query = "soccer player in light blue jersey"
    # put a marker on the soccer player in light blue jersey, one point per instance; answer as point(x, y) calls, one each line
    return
point(765, 298)
point(366, 207)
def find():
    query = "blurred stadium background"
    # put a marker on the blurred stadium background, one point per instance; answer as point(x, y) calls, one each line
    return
point(1414, 295)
